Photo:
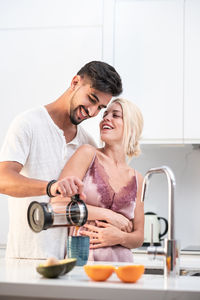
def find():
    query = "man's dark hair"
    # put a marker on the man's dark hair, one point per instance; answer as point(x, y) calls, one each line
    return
point(103, 77)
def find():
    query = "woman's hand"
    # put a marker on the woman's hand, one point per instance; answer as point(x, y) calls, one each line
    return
point(102, 235)
point(119, 221)
point(68, 187)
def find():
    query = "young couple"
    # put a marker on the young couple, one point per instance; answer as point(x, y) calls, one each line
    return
point(39, 145)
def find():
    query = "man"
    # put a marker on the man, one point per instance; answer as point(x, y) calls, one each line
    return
point(37, 146)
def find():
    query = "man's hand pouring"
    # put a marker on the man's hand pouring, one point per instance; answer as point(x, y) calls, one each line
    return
point(67, 187)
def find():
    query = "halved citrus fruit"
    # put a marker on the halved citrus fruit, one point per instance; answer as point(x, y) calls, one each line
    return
point(129, 273)
point(99, 272)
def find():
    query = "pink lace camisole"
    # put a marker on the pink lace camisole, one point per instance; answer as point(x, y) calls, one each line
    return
point(100, 193)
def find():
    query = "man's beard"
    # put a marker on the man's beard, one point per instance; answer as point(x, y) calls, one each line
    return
point(73, 118)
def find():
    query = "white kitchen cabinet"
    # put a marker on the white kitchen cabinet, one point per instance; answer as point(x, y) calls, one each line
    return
point(50, 13)
point(37, 65)
point(148, 53)
point(192, 72)
point(43, 45)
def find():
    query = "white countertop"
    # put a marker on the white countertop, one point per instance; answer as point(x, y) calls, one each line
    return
point(18, 278)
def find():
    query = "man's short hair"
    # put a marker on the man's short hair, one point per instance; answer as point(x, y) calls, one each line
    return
point(103, 77)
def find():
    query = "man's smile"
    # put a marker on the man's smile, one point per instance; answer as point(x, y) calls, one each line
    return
point(82, 113)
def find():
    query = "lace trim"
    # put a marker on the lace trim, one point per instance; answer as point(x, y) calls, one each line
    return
point(109, 198)
point(102, 188)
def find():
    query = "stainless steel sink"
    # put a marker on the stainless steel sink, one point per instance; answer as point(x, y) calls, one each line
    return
point(183, 272)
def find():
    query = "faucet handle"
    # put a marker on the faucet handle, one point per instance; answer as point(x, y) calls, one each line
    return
point(151, 251)
point(151, 243)
point(155, 252)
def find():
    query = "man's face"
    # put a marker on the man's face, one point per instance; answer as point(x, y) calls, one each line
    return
point(86, 102)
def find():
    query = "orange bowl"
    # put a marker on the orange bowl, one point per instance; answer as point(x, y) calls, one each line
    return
point(130, 273)
point(99, 272)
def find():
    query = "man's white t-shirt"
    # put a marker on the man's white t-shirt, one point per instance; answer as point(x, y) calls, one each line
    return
point(36, 142)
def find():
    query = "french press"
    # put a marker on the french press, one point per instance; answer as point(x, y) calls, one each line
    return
point(44, 215)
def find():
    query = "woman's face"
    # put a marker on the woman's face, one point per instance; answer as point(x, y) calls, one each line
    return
point(111, 127)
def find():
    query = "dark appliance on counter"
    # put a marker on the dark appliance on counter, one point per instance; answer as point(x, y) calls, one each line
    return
point(44, 215)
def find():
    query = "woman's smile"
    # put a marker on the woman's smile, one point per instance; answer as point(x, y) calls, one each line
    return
point(106, 126)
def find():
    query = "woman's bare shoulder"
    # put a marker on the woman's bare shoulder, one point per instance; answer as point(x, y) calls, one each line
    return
point(86, 149)
point(138, 175)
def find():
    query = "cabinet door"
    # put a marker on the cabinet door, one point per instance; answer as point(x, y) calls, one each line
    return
point(148, 55)
point(40, 53)
point(37, 66)
point(192, 72)
point(50, 13)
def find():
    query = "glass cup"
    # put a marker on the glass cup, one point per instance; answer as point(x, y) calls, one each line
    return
point(78, 247)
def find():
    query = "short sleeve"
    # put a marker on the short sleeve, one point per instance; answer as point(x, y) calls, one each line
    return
point(86, 138)
point(17, 142)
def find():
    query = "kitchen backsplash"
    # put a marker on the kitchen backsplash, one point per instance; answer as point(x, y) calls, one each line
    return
point(185, 163)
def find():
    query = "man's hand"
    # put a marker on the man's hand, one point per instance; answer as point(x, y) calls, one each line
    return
point(119, 221)
point(68, 187)
point(102, 235)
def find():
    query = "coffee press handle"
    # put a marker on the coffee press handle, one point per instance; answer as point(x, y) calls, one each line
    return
point(166, 227)
point(76, 211)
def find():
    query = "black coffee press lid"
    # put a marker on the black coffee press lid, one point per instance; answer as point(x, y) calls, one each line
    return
point(39, 217)
point(76, 198)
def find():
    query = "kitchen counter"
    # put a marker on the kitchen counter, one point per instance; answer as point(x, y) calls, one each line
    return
point(19, 280)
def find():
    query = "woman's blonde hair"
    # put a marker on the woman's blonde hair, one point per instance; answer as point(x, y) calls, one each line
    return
point(133, 125)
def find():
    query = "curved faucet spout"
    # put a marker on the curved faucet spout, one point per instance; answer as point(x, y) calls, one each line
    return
point(171, 189)
point(170, 251)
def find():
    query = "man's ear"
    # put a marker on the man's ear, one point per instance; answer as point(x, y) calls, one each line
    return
point(75, 82)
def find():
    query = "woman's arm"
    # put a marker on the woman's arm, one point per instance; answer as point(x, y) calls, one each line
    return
point(70, 179)
point(107, 235)
point(115, 219)
point(74, 172)
point(135, 239)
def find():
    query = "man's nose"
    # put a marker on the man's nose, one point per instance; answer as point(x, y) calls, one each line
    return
point(93, 111)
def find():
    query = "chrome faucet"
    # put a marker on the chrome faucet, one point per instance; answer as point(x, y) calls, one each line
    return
point(170, 252)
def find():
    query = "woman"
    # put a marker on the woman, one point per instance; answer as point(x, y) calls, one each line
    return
point(110, 183)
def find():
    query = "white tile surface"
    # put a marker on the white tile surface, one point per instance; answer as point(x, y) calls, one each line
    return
point(19, 278)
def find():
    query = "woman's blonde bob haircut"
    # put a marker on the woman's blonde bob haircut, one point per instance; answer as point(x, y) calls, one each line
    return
point(133, 126)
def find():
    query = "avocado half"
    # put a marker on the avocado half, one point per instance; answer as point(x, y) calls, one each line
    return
point(64, 266)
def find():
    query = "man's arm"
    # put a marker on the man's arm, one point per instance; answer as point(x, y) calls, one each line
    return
point(13, 155)
point(14, 184)
point(14, 152)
